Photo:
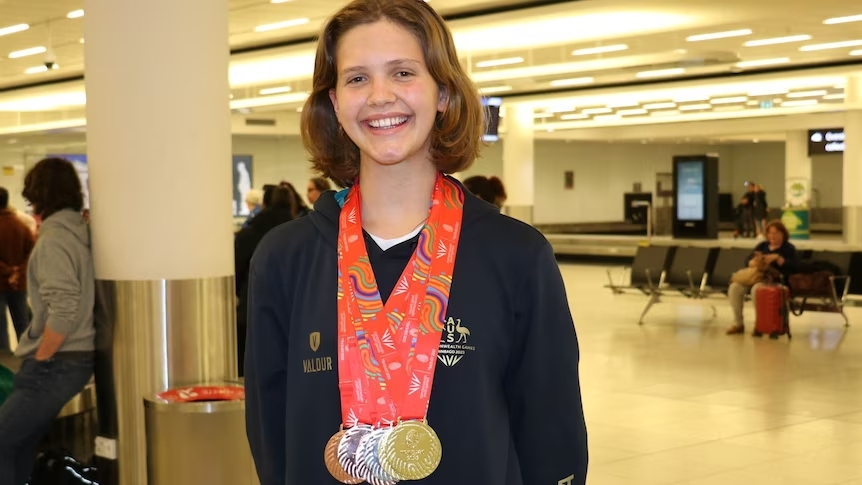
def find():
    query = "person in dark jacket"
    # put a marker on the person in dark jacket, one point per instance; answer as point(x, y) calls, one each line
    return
point(16, 242)
point(778, 253)
point(760, 210)
point(494, 370)
point(280, 209)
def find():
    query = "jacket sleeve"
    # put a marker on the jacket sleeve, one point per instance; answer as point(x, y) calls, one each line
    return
point(543, 387)
point(59, 287)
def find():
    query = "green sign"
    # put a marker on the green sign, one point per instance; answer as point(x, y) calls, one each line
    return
point(797, 222)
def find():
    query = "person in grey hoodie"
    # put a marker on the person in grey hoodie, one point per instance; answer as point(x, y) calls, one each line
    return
point(58, 346)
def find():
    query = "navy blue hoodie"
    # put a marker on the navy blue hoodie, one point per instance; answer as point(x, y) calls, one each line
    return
point(506, 401)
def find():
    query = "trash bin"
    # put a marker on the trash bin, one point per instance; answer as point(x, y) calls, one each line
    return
point(197, 434)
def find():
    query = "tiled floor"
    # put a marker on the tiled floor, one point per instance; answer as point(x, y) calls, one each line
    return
point(676, 401)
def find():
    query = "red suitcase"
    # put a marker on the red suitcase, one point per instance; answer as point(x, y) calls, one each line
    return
point(772, 317)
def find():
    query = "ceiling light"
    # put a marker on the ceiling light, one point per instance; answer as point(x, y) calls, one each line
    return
point(856, 53)
point(632, 112)
point(75, 14)
point(807, 94)
point(719, 35)
point(843, 20)
point(660, 105)
point(834, 96)
point(777, 40)
point(543, 115)
point(281, 25)
point(660, 73)
point(574, 117)
point(665, 113)
point(600, 50)
point(624, 104)
point(36, 70)
point(695, 107)
point(560, 109)
point(280, 1)
point(767, 92)
point(576, 81)
point(690, 98)
point(278, 90)
point(27, 52)
point(608, 118)
point(500, 62)
point(753, 102)
point(730, 100)
point(597, 111)
point(830, 45)
point(799, 102)
point(495, 89)
point(48, 102)
point(763, 62)
point(729, 108)
point(13, 29)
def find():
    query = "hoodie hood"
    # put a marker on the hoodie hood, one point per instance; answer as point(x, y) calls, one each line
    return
point(327, 210)
point(68, 223)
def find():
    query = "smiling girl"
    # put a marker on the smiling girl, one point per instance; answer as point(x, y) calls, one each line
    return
point(406, 330)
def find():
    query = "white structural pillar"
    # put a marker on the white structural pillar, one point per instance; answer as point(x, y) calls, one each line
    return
point(159, 151)
point(518, 163)
point(853, 162)
point(797, 163)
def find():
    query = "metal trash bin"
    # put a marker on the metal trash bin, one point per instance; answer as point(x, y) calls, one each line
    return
point(197, 435)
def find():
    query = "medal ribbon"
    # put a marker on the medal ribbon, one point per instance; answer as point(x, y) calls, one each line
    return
point(387, 354)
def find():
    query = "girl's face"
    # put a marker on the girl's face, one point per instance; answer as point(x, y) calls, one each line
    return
point(385, 98)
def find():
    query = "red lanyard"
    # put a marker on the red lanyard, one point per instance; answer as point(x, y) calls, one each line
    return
point(387, 354)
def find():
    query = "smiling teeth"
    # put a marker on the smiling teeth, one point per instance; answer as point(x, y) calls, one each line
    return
point(388, 122)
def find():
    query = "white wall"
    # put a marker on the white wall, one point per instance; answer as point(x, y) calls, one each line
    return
point(826, 180)
point(276, 158)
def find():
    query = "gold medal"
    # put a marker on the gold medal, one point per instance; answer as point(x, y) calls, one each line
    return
point(411, 451)
point(330, 457)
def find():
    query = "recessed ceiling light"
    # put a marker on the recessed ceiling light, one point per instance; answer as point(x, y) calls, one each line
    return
point(730, 100)
point(660, 73)
point(778, 40)
point(834, 96)
point(665, 113)
point(695, 107)
point(597, 111)
point(27, 52)
point(763, 62)
point(495, 89)
point(843, 20)
point(719, 35)
point(500, 62)
point(600, 50)
point(632, 112)
point(278, 90)
point(280, 1)
point(576, 81)
point(281, 25)
point(36, 70)
point(807, 94)
point(799, 102)
point(856, 53)
point(75, 14)
point(577, 116)
point(13, 29)
point(660, 105)
point(831, 45)
point(608, 118)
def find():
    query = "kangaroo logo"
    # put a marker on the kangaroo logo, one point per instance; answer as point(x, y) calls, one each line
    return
point(314, 341)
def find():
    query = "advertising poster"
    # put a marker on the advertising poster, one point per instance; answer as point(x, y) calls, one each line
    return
point(242, 182)
point(690, 191)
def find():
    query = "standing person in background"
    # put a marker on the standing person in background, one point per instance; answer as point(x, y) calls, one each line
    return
point(58, 347)
point(404, 321)
point(481, 187)
point(254, 202)
point(26, 219)
point(316, 186)
point(761, 209)
point(16, 243)
point(499, 191)
point(301, 209)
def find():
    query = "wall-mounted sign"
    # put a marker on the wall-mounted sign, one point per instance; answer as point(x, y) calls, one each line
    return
point(826, 142)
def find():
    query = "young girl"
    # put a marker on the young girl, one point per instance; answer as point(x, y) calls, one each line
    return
point(405, 330)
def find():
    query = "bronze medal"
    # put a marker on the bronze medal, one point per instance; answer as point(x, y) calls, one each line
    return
point(411, 451)
point(330, 457)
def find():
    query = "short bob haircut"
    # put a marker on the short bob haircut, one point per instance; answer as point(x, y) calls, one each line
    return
point(53, 185)
point(457, 134)
point(780, 227)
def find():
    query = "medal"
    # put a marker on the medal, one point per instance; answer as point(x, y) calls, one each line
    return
point(412, 451)
point(387, 353)
point(330, 457)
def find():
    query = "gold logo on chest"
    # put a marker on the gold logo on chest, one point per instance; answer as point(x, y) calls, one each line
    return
point(318, 364)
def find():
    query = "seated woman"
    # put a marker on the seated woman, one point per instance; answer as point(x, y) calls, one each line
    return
point(778, 253)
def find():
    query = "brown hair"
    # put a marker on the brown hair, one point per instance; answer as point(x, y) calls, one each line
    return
point(53, 185)
point(456, 136)
point(780, 227)
point(321, 184)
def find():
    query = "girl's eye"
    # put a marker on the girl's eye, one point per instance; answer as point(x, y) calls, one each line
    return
point(355, 80)
point(404, 74)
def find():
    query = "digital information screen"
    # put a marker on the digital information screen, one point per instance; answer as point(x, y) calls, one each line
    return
point(689, 199)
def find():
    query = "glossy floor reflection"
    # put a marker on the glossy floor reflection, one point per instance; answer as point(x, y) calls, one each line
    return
point(676, 401)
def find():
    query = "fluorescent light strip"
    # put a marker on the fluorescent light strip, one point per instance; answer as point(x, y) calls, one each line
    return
point(600, 50)
point(576, 81)
point(799, 102)
point(597, 111)
point(500, 62)
point(660, 105)
point(763, 62)
point(608, 118)
point(624, 104)
point(632, 112)
point(665, 113)
point(807, 94)
point(36, 70)
point(719, 35)
point(768, 92)
point(730, 100)
point(278, 90)
point(574, 117)
point(729, 108)
point(543, 115)
point(843, 20)
point(13, 29)
point(280, 1)
point(495, 89)
point(831, 45)
point(268, 100)
point(834, 96)
point(778, 40)
point(660, 73)
point(75, 14)
point(695, 107)
point(27, 52)
point(691, 98)
point(856, 53)
point(561, 109)
point(281, 25)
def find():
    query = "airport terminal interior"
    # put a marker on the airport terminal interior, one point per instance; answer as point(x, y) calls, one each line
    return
point(633, 134)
